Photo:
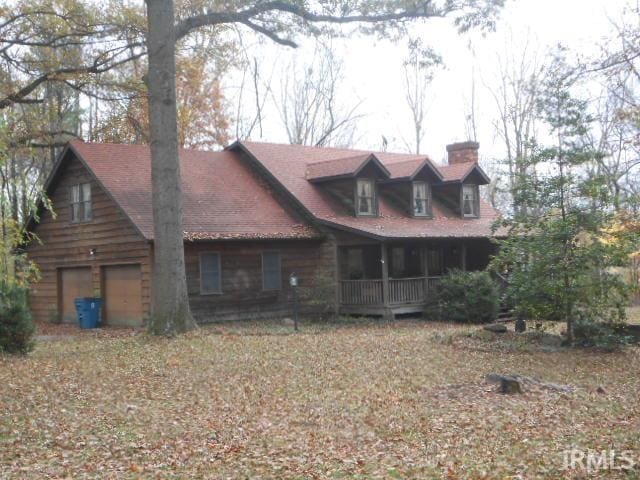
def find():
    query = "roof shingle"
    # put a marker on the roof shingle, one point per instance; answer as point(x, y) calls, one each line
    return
point(288, 164)
point(223, 198)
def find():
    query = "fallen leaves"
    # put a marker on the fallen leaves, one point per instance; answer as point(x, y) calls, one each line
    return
point(363, 401)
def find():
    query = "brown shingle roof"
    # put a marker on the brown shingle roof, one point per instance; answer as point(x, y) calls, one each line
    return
point(337, 167)
point(459, 171)
point(223, 198)
point(288, 165)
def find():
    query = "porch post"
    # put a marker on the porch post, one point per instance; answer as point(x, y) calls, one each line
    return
point(463, 256)
point(385, 275)
point(425, 268)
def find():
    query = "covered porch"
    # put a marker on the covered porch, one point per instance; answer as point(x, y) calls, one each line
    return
point(393, 278)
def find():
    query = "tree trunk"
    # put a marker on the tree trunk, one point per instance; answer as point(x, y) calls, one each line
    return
point(170, 313)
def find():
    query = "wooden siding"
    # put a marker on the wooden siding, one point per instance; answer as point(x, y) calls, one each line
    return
point(65, 244)
point(242, 296)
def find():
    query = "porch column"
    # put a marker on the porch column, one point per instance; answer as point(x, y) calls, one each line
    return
point(385, 274)
point(425, 268)
point(463, 256)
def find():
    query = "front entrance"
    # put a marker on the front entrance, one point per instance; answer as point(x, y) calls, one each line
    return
point(122, 294)
point(72, 283)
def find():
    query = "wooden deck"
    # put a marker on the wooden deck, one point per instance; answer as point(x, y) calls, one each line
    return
point(386, 298)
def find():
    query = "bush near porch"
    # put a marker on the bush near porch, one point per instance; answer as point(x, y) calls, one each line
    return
point(464, 297)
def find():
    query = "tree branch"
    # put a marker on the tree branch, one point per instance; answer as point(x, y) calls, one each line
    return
point(422, 9)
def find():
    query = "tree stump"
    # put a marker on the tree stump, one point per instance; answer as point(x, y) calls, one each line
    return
point(508, 383)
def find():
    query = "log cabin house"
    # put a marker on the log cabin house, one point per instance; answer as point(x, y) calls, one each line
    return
point(379, 228)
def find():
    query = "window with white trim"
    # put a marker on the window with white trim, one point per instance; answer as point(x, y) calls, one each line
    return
point(210, 273)
point(365, 197)
point(80, 202)
point(470, 201)
point(421, 199)
point(271, 271)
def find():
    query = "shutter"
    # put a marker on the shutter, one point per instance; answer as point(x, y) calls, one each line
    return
point(271, 278)
point(210, 281)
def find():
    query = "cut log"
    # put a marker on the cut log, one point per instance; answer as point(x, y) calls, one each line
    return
point(508, 383)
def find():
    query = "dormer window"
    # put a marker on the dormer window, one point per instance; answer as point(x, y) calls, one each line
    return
point(421, 199)
point(365, 197)
point(470, 201)
point(80, 202)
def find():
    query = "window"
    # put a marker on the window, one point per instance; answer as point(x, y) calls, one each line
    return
point(210, 274)
point(81, 202)
point(421, 203)
point(365, 197)
point(470, 201)
point(271, 271)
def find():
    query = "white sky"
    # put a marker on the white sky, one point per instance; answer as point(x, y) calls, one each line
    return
point(373, 70)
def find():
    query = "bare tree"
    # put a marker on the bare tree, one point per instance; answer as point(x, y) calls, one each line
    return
point(312, 108)
point(470, 103)
point(419, 69)
point(515, 92)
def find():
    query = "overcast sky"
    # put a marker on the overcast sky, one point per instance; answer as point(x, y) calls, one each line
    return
point(373, 70)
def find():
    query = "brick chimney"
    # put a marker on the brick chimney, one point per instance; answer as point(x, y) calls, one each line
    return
point(463, 152)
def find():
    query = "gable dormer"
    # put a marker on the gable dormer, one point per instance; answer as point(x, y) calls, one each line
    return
point(353, 181)
point(410, 186)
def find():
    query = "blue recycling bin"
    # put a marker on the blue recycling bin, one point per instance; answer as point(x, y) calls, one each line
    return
point(88, 311)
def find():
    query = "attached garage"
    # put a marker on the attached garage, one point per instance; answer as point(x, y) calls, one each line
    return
point(72, 283)
point(122, 295)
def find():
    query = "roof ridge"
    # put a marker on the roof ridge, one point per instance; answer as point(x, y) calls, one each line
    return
point(363, 154)
point(317, 147)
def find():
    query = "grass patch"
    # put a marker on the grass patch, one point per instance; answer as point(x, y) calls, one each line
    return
point(356, 400)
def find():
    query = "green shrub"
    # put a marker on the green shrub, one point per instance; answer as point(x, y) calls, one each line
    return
point(466, 297)
point(16, 325)
point(605, 335)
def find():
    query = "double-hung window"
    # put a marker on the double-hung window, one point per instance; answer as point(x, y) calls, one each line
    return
point(80, 202)
point(210, 273)
point(365, 197)
point(271, 271)
point(470, 201)
point(420, 199)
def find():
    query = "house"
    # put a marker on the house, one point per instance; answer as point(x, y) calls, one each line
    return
point(378, 228)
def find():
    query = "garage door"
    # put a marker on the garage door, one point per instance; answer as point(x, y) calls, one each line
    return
point(122, 293)
point(73, 283)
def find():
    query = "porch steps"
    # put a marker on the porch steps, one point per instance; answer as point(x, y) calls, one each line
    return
point(505, 314)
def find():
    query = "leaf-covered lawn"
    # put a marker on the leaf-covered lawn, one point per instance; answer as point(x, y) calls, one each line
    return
point(361, 401)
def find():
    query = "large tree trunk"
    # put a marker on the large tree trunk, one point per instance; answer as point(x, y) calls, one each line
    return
point(170, 312)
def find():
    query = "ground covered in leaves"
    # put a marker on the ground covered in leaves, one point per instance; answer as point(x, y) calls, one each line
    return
point(405, 400)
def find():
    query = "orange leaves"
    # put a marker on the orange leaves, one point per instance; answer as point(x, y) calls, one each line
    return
point(335, 401)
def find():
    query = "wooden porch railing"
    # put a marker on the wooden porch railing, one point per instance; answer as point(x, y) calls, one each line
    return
point(431, 282)
point(406, 290)
point(401, 291)
point(361, 292)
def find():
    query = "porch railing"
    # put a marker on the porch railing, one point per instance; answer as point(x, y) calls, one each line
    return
point(401, 291)
point(361, 292)
point(406, 290)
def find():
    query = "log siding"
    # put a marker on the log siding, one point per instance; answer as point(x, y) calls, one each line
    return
point(242, 295)
point(63, 243)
